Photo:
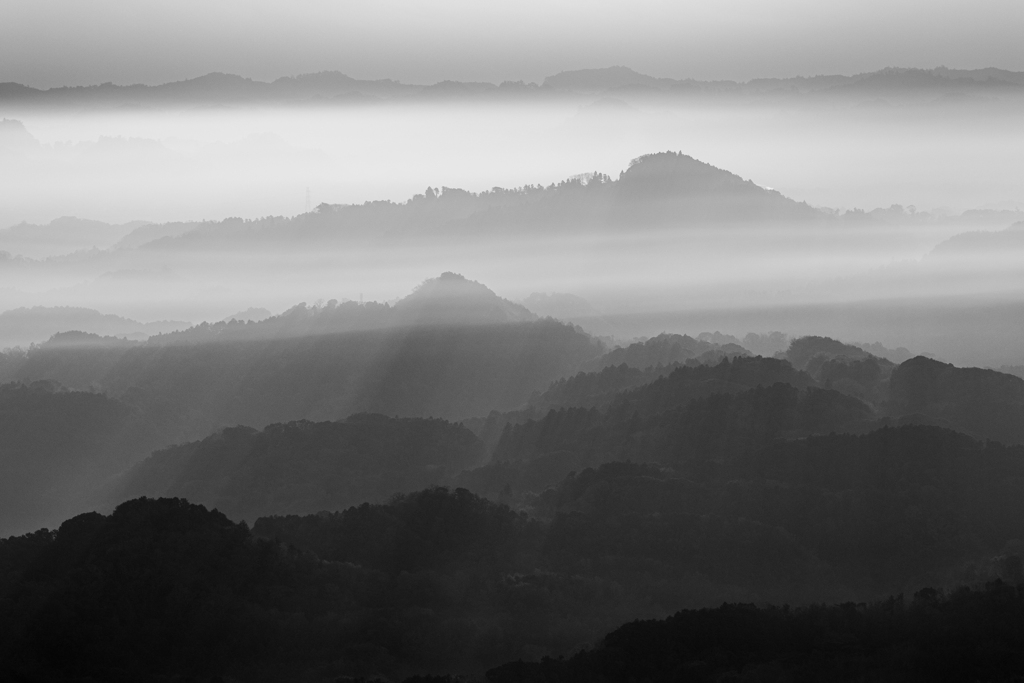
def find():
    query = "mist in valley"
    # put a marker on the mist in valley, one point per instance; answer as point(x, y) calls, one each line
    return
point(178, 190)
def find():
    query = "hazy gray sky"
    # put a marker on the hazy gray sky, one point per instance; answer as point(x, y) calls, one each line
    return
point(47, 43)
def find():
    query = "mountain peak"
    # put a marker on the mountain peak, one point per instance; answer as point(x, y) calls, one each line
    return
point(451, 298)
point(599, 79)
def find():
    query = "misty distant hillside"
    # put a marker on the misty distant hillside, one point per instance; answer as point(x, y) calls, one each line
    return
point(25, 326)
point(897, 80)
point(252, 314)
point(213, 88)
point(897, 83)
point(151, 232)
point(200, 385)
point(14, 138)
point(600, 80)
point(657, 190)
point(666, 349)
point(62, 236)
point(897, 355)
point(994, 245)
point(329, 88)
point(449, 299)
point(638, 364)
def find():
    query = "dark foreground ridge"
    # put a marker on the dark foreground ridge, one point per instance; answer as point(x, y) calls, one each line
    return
point(960, 636)
point(443, 581)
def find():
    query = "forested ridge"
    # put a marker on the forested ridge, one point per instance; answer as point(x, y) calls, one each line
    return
point(58, 448)
point(966, 634)
point(666, 188)
point(303, 466)
point(385, 546)
point(445, 371)
point(442, 581)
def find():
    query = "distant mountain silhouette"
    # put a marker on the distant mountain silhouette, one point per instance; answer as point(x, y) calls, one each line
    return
point(62, 236)
point(151, 232)
point(451, 299)
point(674, 185)
point(212, 88)
point(898, 355)
point(447, 300)
point(254, 314)
point(25, 326)
point(451, 349)
point(983, 243)
point(666, 349)
point(332, 87)
point(803, 351)
point(909, 80)
point(14, 138)
point(665, 189)
point(599, 80)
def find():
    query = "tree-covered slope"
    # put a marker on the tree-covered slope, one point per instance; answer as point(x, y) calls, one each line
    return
point(984, 403)
point(58, 448)
point(962, 635)
point(450, 371)
point(304, 467)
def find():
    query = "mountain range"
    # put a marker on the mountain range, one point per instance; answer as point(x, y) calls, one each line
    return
point(26, 326)
point(436, 490)
point(333, 88)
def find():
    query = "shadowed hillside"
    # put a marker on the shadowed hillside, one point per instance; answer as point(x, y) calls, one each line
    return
point(452, 349)
point(984, 403)
point(58, 448)
point(304, 467)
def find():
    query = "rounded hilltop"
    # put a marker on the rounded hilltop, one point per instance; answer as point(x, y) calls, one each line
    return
point(451, 298)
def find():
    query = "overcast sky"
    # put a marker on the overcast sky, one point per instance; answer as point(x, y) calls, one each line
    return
point(47, 43)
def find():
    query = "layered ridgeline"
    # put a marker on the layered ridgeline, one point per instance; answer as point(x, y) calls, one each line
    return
point(332, 88)
point(450, 349)
point(62, 235)
point(22, 327)
point(666, 189)
point(445, 581)
point(749, 438)
point(656, 190)
point(705, 420)
point(789, 480)
point(305, 467)
point(203, 269)
point(698, 418)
